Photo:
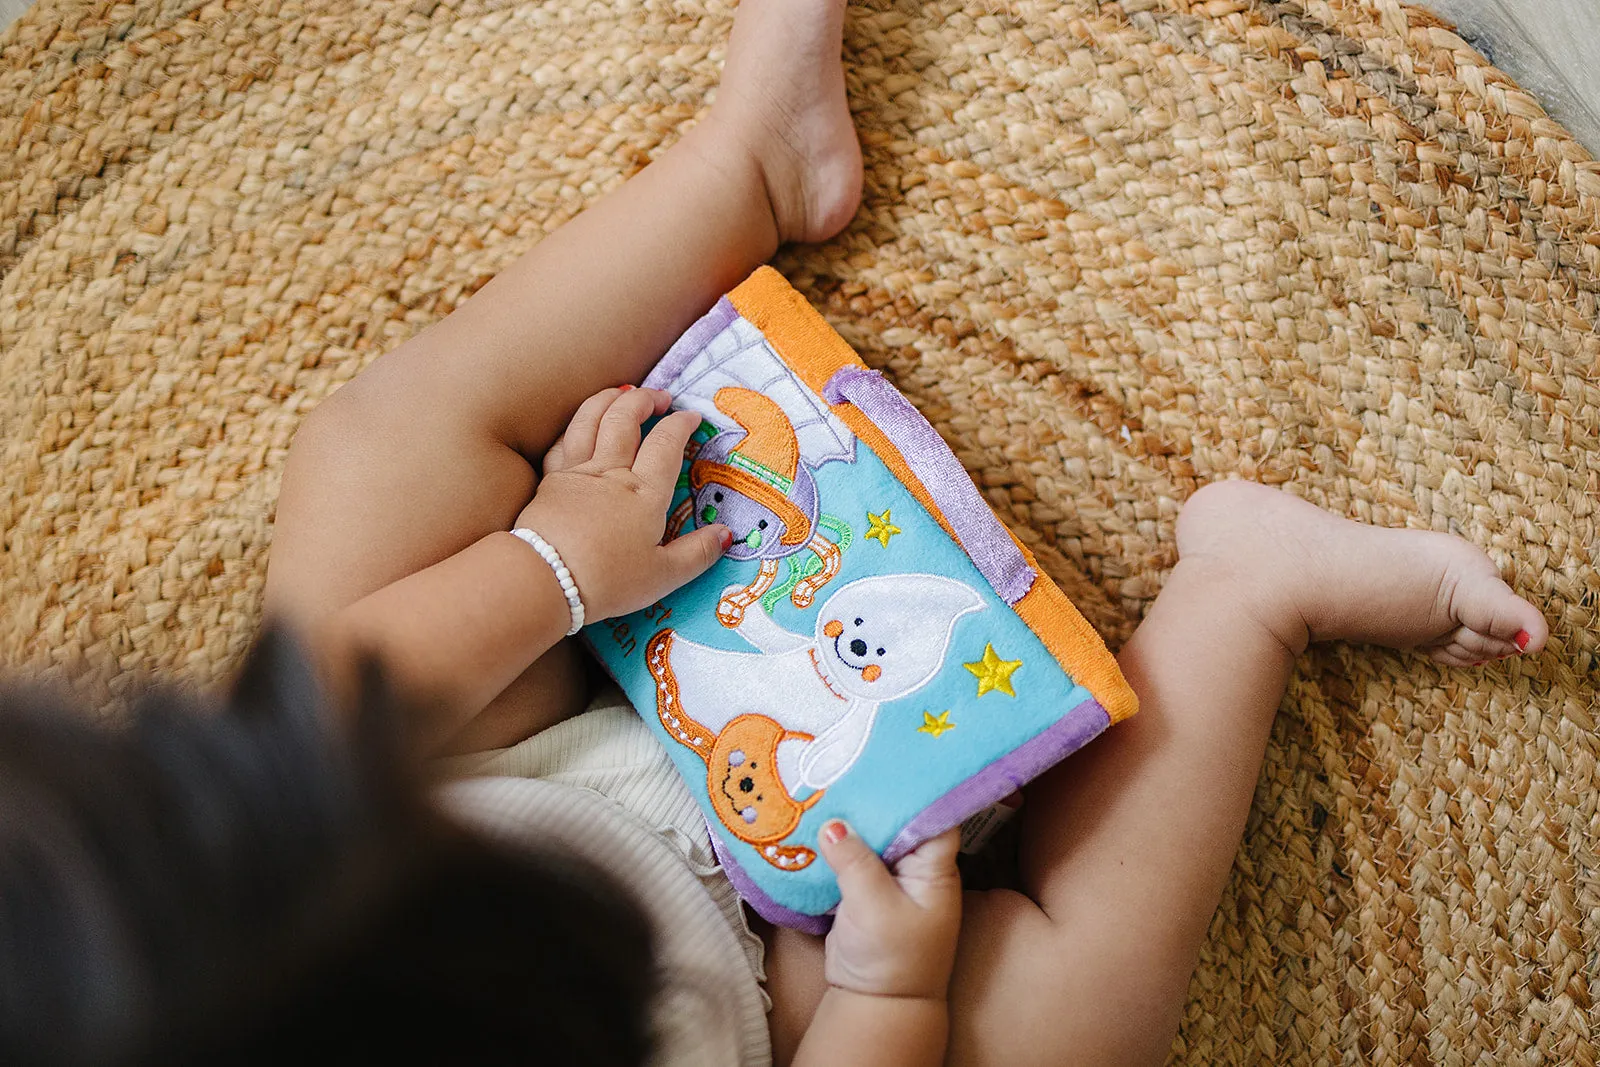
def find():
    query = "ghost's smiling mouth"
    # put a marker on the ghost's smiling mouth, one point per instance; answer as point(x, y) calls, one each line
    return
point(870, 672)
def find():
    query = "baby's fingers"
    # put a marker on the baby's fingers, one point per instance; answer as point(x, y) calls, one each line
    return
point(661, 456)
point(928, 873)
point(577, 444)
point(864, 882)
point(617, 441)
point(685, 558)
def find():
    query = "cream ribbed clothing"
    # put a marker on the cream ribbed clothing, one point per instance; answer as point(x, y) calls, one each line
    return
point(601, 785)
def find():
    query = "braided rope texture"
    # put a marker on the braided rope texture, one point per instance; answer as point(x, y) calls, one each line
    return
point(1113, 250)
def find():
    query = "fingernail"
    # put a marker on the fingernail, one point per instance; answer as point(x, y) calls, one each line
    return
point(727, 539)
point(625, 388)
point(1521, 640)
point(835, 831)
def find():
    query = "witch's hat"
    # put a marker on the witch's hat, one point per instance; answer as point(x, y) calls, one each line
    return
point(764, 465)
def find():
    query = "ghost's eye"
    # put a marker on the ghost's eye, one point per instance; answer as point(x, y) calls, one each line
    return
point(717, 497)
point(858, 622)
point(762, 524)
point(880, 651)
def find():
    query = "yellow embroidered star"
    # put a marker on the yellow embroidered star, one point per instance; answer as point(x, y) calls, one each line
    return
point(993, 673)
point(880, 529)
point(935, 725)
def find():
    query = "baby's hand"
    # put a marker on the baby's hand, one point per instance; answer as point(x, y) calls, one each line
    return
point(894, 934)
point(603, 503)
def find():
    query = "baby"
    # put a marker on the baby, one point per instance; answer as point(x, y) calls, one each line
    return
point(393, 537)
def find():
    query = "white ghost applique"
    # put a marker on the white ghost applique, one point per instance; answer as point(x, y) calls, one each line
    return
point(805, 703)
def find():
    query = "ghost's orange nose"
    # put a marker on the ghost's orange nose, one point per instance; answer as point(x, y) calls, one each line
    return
point(871, 672)
point(832, 628)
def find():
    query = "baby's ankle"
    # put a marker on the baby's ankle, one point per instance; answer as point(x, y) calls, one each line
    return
point(1228, 537)
point(740, 135)
point(1243, 593)
point(782, 100)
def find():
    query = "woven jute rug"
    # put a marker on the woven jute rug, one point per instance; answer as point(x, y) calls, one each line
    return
point(1114, 251)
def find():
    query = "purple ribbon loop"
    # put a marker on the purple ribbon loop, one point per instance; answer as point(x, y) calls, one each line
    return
point(985, 540)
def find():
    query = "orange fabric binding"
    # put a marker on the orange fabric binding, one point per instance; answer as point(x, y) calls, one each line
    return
point(816, 352)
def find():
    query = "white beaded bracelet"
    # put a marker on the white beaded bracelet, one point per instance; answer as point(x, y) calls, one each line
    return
point(569, 588)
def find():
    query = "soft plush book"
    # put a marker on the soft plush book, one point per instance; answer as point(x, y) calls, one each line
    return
point(875, 646)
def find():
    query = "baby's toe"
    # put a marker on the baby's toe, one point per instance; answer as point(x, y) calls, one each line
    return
point(1463, 647)
point(1533, 632)
point(1495, 620)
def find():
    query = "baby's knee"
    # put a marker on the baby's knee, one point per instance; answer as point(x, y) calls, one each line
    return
point(351, 414)
point(375, 433)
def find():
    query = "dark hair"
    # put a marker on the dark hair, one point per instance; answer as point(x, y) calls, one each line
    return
point(264, 882)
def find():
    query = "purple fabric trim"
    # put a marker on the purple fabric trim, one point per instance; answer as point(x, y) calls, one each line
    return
point(689, 345)
point(1002, 777)
point(764, 905)
point(985, 540)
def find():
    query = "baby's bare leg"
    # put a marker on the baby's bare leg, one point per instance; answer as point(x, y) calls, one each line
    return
point(433, 446)
point(1126, 847)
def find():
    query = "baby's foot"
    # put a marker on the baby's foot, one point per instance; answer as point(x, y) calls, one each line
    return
point(1319, 578)
point(782, 98)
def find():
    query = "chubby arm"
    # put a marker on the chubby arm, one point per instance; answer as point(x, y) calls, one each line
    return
point(457, 633)
point(889, 956)
point(453, 635)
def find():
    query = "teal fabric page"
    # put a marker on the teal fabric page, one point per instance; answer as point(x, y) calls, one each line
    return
point(967, 680)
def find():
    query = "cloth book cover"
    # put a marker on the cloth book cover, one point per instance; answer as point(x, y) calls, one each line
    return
point(875, 646)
